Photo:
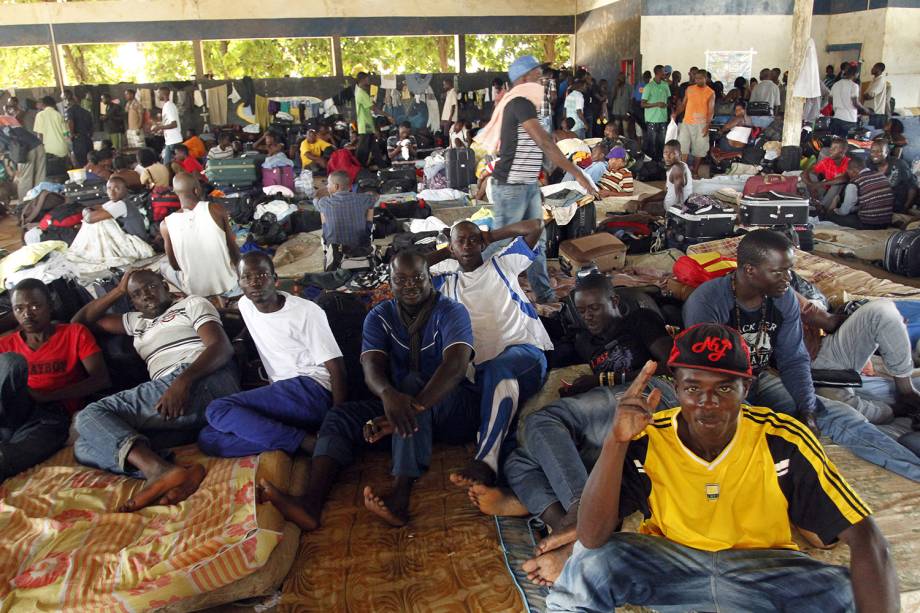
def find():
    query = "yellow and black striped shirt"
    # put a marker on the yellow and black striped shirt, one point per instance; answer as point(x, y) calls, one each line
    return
point(773, 474)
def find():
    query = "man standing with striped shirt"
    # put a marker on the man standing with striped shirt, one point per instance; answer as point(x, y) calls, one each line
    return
point(523, 142)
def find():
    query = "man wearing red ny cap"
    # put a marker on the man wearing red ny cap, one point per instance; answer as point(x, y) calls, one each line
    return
point(720, 484)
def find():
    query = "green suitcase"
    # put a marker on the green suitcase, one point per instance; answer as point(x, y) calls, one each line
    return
point(236, 172)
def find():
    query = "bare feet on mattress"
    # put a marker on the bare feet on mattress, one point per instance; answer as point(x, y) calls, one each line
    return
point(291, 507)
point(393, 508)
point(545, 568)
point(497, 501)
point(170, 487)
point(476, 472)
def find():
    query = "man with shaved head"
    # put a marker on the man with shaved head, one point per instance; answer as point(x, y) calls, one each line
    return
point(347, 217)
point(190, 362)
point(415, 355)
point(200, 245)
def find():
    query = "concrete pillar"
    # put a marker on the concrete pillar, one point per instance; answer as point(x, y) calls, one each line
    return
point(801, 32)
point(460, 53)
point(337, 70)
point(56, 67)
point(199, 59)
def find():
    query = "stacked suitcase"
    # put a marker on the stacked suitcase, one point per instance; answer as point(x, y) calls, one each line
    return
point(233, 174)
point(773, 209)
point(705, 223)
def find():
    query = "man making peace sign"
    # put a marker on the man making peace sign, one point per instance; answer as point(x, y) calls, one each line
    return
point(720, 485)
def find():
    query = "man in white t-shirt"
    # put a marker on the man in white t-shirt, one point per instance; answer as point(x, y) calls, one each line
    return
point(300, 356)
point(876, 97)
point(508, 337)
point(451, 111)
point(170, 126)
point(845, 98)
point(575, 107)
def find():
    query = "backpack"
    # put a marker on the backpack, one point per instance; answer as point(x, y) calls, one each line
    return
point(162, 203)
point(651, 171)
point(638, 236)
point(423, 242)
point(33, 210)
point(302, 221)
point(696, 269)
point(346, 313)
point(413, 209)
point(385, 224)
point(62, 216)
point(240, 208)
point(343, 159)
point(266, 230)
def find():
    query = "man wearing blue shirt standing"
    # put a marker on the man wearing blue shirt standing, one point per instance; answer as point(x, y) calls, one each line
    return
point(758, 301)
point(415, 354)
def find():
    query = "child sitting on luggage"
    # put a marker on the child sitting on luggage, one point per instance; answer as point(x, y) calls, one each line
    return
point(833, 171)
point(224, 148)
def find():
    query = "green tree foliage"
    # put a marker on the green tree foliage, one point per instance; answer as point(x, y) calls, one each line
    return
point(128, 62)
point(497, 51)
point(398, 54)
point(26, 67)
point(267, 59)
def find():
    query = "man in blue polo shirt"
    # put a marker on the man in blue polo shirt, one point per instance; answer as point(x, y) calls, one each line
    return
point(415, 354)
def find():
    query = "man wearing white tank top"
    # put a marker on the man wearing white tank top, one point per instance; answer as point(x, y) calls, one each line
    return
point(200, 247)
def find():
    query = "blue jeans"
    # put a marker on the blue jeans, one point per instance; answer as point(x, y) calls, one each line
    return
point(275, 416)
point(454, 420)
point(843, 424)
point(841, 128)
point(547, 123)
point(29, 433)
point(562, 441)
point(653, 139)
point(514, 203)
point(108, 428)
point(652, 571)
point(505, 383)
point(168, 153)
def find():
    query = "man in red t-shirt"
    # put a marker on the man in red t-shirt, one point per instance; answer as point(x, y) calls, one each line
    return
point(44, 367)
point(827, 178)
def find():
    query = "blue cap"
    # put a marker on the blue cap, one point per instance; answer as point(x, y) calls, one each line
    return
point(522, 66)
point(617, 152)
point(668, 69)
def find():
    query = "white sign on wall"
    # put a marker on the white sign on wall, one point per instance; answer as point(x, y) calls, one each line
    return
point(726, 66)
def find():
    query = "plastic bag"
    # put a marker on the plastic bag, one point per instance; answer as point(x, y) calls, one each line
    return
point(303, 185)
point(671, 133)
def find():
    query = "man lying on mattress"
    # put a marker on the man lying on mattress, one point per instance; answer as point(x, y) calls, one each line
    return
point(46, 371)
point(190, 361)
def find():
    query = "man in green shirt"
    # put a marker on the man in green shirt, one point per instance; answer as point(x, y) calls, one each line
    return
point(655, 102)
point(50, 125)
point(368, 150)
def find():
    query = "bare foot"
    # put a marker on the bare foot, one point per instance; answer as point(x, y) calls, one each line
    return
point(171, 487)
point(556, 540)
point(545, 569)
point(389, 508)
point(476, 472)
point(497, 501)
point(292, 508)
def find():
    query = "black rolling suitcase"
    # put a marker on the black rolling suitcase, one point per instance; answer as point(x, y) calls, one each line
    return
point(902, 253)
point(461, 168)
